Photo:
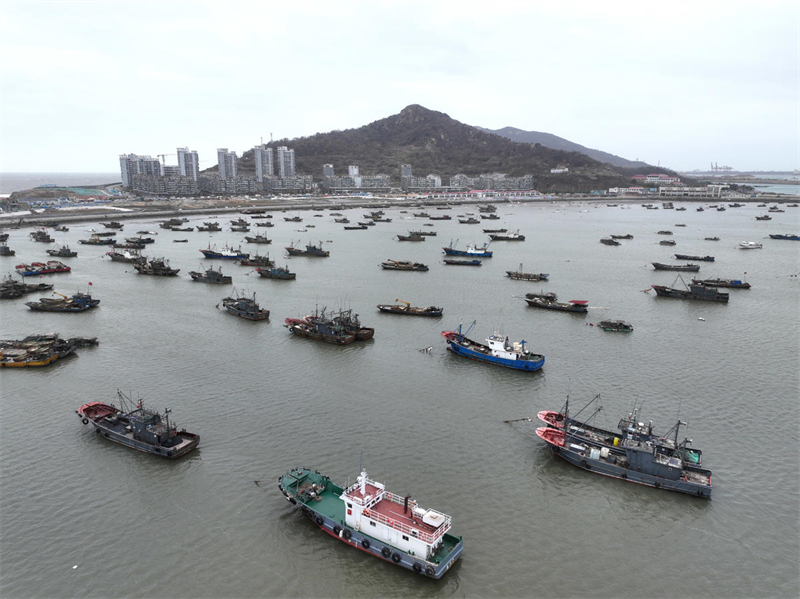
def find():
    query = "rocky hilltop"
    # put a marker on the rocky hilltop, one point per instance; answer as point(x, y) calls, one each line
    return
point(432, 142)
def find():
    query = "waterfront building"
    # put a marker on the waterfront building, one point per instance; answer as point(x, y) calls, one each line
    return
point(189, 163)
point(659, 178)
point(285, 162)
point(227, 163)
point(264, 162)
point(134, 164)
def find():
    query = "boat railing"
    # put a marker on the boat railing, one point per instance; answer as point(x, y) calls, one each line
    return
point(426, 537)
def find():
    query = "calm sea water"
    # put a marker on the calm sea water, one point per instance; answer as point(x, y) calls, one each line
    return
point(84, 517)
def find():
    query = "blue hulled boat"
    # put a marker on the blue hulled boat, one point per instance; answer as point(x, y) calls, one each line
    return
point(498, 350)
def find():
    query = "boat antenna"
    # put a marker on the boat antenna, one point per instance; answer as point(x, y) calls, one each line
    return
point(361, 462)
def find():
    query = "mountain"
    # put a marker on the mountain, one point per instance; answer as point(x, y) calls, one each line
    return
point(432, 142)
point(559, 143)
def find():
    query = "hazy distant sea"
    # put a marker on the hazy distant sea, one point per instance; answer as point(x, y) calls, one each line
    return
point(11, 182)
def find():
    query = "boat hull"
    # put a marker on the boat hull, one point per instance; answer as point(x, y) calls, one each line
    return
point(302, 330)
point(527, 365)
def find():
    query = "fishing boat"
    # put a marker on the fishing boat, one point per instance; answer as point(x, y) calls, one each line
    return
point(125, 256)
point(457, 262)
point(627, 236)
point(403, 265)
point(172, 222)
point(158, 267)
point(728, 283)
point(665, 232)
point(495, 230)
point(6, 251)
point(40, 268)
point(293, 219)
point(695, 292)
point(339, 328)
point(182, 229)
point(700, 258)
point(257, 260)
point(791, 237)
point(245, 307)
point(442, 217)
point(98, 240)
point(405, 308)
point(469, 221)
point(236, 229)
point(619, 326)
point(277, 272)
point(749, 245)
point(490, 217)
point(140, 240)
point(355, 227)
point(63, 252)
point(508, 236)
point(39, 350)
point(266, 223)
point(520, 275)
point(366, 223)
point(137, 427)
point(423, 233)
point(366, 516)
point(471, 251)
point(114, 224)
point(764, 217)
point(712, 238)
point(180, 241)
point(209, 226)
point(41, 236)
point(659, 462)
point(411, 237)
point(314, 251)
point(497, 350)
point(78, 302)
point(344, 220)
point(10, 288)
point(263, 239)
point(226, 253)
point(211, 276)
point(240, 222)
point(549, 301)
point(682, 267)
point(128, 246)
point(609, 241)
point(667, 242)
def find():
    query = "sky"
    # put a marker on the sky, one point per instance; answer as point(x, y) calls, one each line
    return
point(680, 84)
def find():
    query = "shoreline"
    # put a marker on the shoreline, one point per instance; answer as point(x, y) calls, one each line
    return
point(120, 211)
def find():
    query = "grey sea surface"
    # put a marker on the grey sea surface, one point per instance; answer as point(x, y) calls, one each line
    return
point(83, 517)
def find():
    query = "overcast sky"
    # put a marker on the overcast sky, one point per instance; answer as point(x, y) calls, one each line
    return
point(676, 83)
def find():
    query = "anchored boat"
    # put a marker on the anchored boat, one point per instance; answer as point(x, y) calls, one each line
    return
point(549, 301)
point(637, 455)
point(211, 276)
point(138, 427)
point(390, 526)
point(277, 272)
point(519, 275)
point(498, 350)
point(79, 302)
point(683, 267)
point(695, 292)
point(471, 251)
point(403, 265)
point(40, 268)
point(405, 308)
point(245, 307)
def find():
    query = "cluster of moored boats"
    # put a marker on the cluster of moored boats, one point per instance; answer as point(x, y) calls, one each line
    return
point(366, 515)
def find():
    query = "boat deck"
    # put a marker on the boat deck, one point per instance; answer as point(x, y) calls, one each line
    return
point(391, 507)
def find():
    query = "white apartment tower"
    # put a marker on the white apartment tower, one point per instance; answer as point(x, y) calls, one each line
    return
point(227, 163)
point(133, 164)
point(264, 163)
point(327, 170)
point(285, 162)
point(188, 163)
point(405, 170)
point(352, 170)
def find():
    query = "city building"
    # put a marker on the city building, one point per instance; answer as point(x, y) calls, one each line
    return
point(285, 162)
point(132, 164)
point(189, 163)
point(405, 170)
point(327, 170)
point(264, 162)
point(559, 170)
point(352, 170)
point(227, 163)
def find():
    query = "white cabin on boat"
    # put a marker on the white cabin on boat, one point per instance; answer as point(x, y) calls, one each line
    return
point(396, 520)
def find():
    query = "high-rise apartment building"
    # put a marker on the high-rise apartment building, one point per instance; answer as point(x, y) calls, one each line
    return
point(405, 170)
point(327, 170)
point(264, 163)
point(133, 164)
point(285, 162)
point(352, 170)
point(227, 163)
point(189, 163)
